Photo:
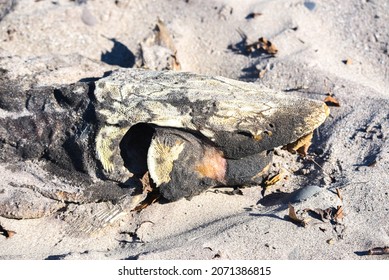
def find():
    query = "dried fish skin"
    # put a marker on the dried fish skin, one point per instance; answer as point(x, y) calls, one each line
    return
point(89, 142)
point(241, 118)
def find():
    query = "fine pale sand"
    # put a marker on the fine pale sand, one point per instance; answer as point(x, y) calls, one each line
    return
point(338, 48)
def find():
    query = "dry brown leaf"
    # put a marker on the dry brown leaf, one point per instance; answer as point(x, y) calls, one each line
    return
point(160, 37)
point(150, 199)
point(295, 219)
point(379, 251)
point(267, 46)
point(331, 101)
point(263, 45)
point(145, 180)
point(163, 37)
point(292, 213)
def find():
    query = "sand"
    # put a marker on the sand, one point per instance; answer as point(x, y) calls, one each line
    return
point(337, 48)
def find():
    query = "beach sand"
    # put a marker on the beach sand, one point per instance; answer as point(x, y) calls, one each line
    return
point(337, 48)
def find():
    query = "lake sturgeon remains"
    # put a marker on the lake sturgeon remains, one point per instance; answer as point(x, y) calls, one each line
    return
point(97, 141)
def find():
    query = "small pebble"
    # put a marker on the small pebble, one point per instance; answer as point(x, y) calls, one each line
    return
point(88, 18)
